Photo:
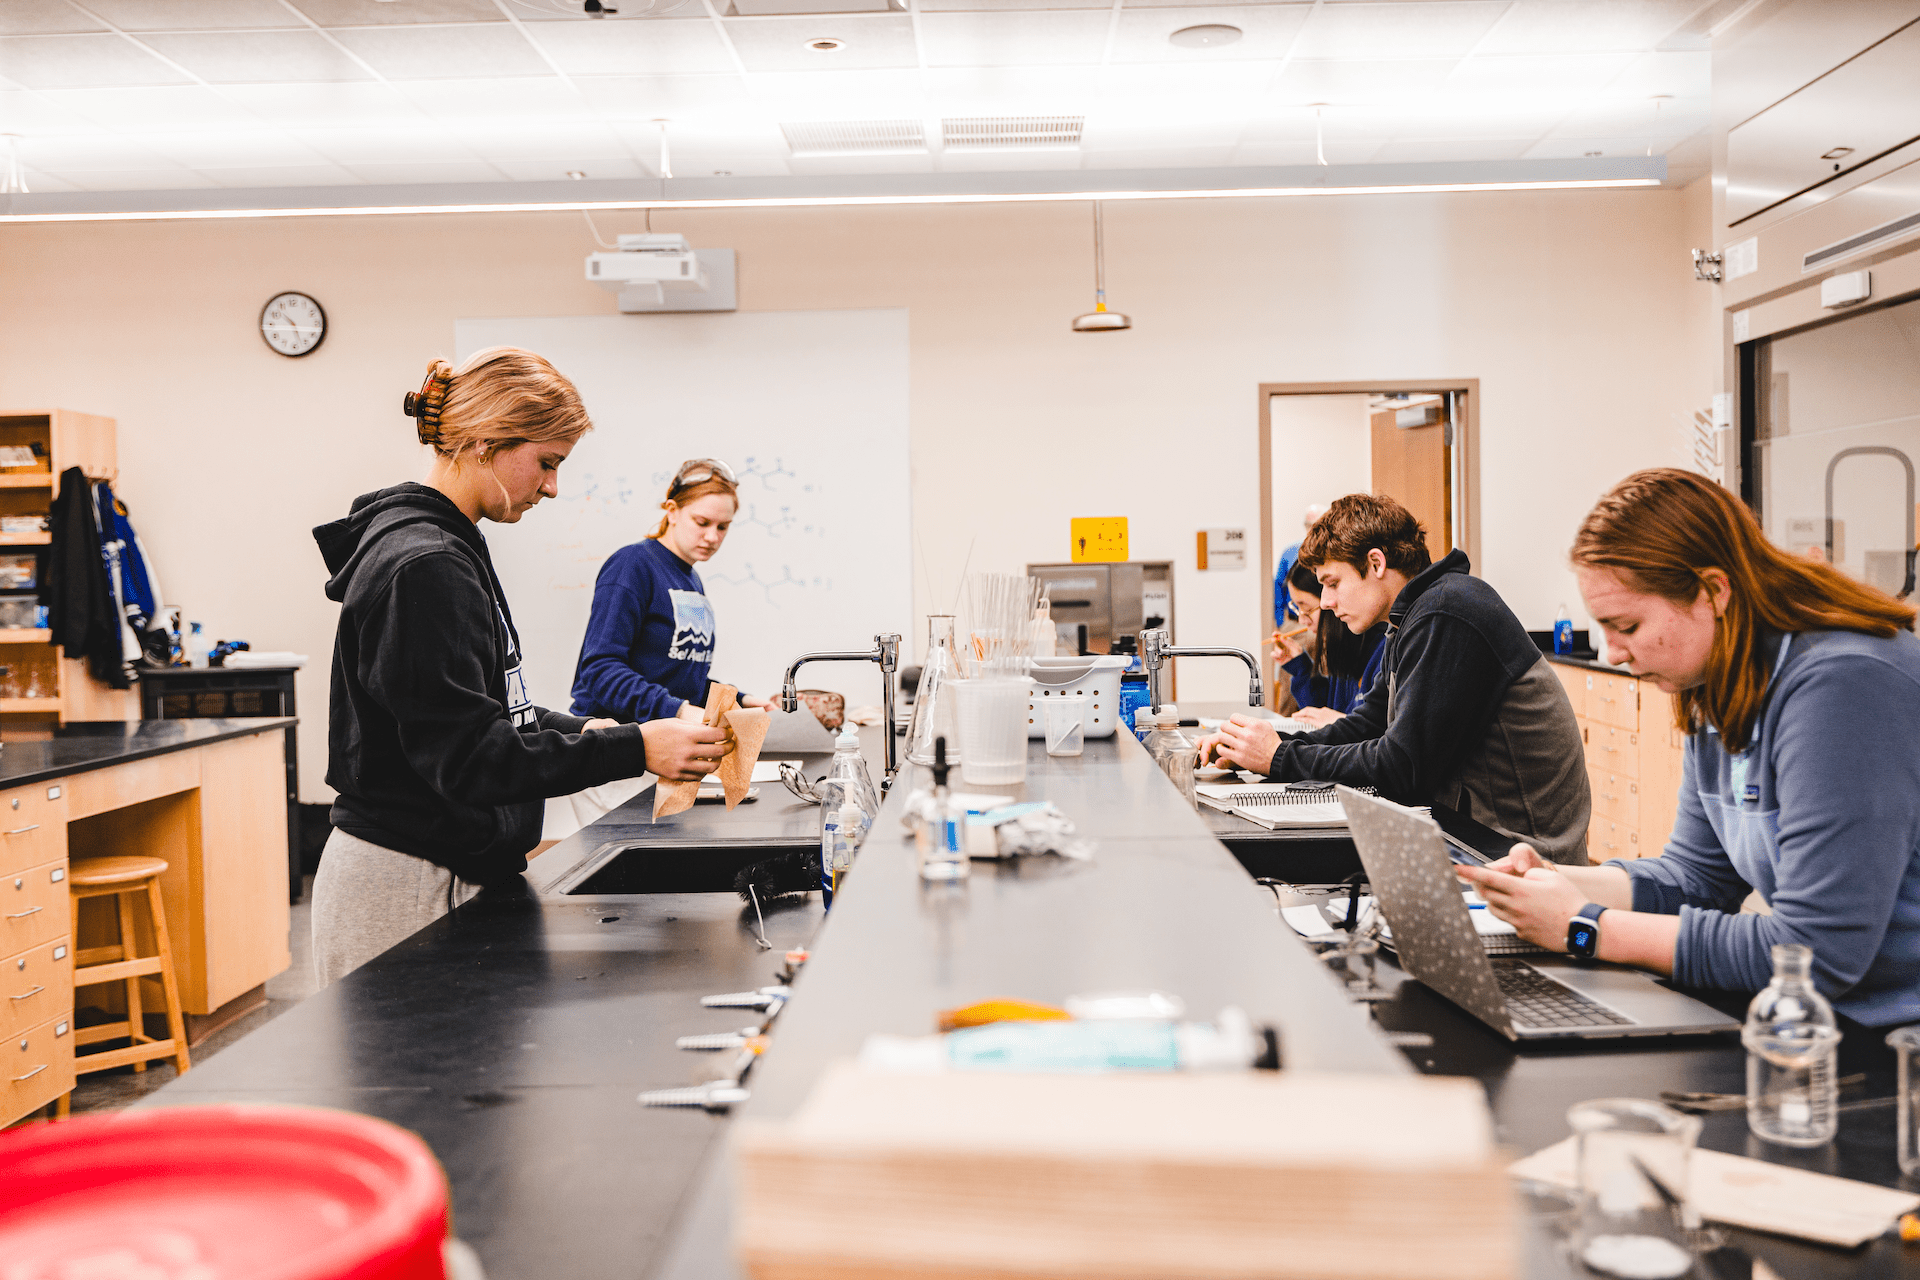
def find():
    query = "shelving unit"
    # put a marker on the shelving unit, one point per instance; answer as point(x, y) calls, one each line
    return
point(67, 439)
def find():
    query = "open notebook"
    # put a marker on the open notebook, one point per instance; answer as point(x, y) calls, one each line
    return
point(1289, 806)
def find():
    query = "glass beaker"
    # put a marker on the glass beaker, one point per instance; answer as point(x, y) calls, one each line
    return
point(933, 701)
point(1905, 1042)
point(1630, 1150)
point(1066, 725)
point(1791, 1038)
point(992, 718)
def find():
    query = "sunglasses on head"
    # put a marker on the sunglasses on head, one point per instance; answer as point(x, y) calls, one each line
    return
point(698, 470)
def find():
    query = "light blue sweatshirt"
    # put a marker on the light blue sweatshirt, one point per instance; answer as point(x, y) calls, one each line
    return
point(1821, 815)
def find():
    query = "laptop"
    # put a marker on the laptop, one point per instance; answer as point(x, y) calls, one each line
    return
point(1545, 997)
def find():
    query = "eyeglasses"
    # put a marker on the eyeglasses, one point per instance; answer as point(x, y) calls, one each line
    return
point(696, 470)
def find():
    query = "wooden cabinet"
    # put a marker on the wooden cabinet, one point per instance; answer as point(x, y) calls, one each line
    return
point(1633, 760)
point(36, 967)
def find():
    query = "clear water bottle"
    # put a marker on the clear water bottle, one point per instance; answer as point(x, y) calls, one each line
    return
point(850, 767)
point(1791, 1038)
point(1563, 631)
point(1172, 750)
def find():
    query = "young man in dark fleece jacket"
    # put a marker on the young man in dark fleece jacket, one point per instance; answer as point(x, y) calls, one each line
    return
point(1469, 713)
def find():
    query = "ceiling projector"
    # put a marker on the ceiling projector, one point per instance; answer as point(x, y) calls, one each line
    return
point(662, 272)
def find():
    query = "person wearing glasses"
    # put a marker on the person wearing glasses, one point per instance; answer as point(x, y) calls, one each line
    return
point(1330, 668)
point(648, 650)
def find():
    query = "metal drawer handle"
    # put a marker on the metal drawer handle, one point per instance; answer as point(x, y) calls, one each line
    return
point(18, 914)
point(31, 1074)
point(28, 995)
point(20, 831)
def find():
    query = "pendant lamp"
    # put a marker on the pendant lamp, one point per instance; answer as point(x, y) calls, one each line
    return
point(1100, 320)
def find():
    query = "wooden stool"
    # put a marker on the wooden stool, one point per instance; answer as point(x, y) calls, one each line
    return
point(124, 877)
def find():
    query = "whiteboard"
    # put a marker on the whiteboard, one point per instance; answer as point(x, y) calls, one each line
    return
point(810, 410)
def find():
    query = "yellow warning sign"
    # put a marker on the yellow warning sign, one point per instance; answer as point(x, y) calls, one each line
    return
point(1099, 539)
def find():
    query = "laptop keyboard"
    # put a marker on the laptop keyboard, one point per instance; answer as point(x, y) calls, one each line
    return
point(1535, 1000)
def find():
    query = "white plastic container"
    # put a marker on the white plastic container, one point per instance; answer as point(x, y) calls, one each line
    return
point(1096, 675)
point(993, 750)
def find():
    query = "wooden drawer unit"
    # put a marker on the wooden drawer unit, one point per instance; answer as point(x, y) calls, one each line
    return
point(1613, 750)
point(1608, 838)
point(1613, 700)
point(35, 985)
point(36, 1066)
point(34, 907)
point(33, 826)
point(1574, 681)
point(1616, 798)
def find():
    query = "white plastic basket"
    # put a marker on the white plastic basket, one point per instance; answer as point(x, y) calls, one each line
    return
point(1096, 675)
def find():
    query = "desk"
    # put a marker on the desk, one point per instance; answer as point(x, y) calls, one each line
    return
point(203, 794)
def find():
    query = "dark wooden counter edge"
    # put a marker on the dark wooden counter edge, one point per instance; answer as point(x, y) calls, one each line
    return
point(1591, 664)
point(204, 733)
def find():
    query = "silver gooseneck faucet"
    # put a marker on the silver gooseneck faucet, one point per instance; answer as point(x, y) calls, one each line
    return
point(886, 652)
point(1154, 651)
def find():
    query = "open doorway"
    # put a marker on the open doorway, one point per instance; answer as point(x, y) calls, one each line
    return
point(1412, 440)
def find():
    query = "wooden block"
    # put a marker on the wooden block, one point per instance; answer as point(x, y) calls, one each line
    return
point(1126, 1176)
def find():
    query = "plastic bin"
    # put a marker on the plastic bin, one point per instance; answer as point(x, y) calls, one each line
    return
point(1096, 675)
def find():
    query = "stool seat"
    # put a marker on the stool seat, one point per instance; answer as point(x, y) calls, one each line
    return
point(116, 869)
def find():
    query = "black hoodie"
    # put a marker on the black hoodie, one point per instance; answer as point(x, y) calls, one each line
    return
point(432, 743)
point(1467, 713)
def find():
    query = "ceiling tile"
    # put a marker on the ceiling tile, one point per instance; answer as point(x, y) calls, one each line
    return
point(882, 164)
point(1266, 32)
point(297, 175)
point(1430, 29)
point(1424, 150)
point(1633, 116)
point(645, 97)
point(1143, 133)
point(873, 41)
point(154, 110)
point(683, 45)
point(1559, 77)
point(1585, 26)
point(156, 179)
point(194, 15)
point(319, 106)
point(1685, 75)
point(1049, 38)
point(981, 6)
point(73, 62)
point(232, 150)
point(837, 95)
point(428, 171)
point(43, 17)
point(547, 140)
point(31, 113)
point(45, 183)
point(558, 169)
point(445, 53)
point(1558, 148)
point(630, 10)
point(70, 153)
point(258, 57)
point(515, 97)
point(1289, 154)
point(1360, 81)
point(987, 91)
point(1158, 158)
point(380, 13)
point(398, 144)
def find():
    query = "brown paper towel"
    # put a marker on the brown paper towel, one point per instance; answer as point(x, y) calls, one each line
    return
point(670, 798)
point(746, 730)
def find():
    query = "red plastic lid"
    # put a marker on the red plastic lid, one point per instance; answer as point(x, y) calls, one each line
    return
point(221, 1193)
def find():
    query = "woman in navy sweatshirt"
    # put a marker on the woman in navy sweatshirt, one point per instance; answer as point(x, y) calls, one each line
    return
point(649, 643)
point(439, 756)
point(1799, 691)
point(1329, 667)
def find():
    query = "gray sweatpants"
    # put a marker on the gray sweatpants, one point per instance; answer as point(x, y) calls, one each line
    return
point(367, 899)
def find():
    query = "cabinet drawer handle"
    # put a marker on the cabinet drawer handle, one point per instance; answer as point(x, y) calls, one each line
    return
point(31, 1074)
point(20, 831)
point(20, 914)
point(28, 995)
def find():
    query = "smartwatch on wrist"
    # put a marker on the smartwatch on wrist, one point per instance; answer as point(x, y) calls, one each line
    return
point(1583, 932)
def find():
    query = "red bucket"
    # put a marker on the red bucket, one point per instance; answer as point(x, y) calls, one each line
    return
point(222, 1193)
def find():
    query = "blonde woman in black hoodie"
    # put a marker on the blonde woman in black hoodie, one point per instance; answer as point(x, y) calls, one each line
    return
point(440, 759)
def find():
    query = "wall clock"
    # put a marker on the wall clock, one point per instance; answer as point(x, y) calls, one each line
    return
point(292, 324)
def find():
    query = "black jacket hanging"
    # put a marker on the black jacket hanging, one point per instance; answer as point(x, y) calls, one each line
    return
point(75, 590)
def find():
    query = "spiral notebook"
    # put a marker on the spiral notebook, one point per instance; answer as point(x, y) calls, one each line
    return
point(1290, 806)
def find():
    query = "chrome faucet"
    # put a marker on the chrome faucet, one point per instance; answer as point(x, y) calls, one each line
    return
point(1155, 650)
point(886, 652)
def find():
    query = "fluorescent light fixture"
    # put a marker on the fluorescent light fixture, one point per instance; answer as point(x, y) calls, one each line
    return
point(809, 202)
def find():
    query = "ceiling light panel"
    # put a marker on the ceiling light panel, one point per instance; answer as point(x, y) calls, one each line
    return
point(1585, 26)
point(444, 53)
point(1011, 133)
point(1266, 33)
point(871, 41)
point(194, 15)
point(1044, 38)
point(258, 57)
point(43, 17)
point(684, 46)
point(1430, 29)
point(373, 13)
point(855, 137)
point(78, 62)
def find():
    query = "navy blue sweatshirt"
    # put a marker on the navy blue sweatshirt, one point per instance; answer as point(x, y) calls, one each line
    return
point(432, 742)
point(1342, 693)
point(649, 643)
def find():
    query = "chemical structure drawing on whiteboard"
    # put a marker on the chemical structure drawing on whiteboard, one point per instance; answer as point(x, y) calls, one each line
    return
point(775, 527)
point(767, 586)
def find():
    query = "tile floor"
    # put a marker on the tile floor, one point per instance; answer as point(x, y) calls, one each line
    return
point(123, 1086)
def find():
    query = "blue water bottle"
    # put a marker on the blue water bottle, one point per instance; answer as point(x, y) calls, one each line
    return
point(1134, 694)
point(1563, 632)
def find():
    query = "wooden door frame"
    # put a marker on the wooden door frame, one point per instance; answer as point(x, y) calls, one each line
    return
point(1465, 465)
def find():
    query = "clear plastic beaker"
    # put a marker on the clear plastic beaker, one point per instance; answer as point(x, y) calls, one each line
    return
point(1630, 1152)
point(1066, 725)
point(1905, 1042)
point(992, 718)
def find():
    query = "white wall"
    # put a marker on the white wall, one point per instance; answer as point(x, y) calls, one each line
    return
point(1575, 310)
point(1322, 448)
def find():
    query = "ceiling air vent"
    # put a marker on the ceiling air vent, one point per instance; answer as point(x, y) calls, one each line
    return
point(856, 137)
point(1011, 133)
